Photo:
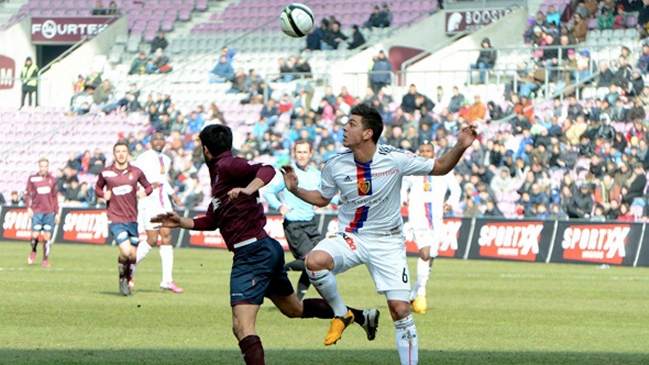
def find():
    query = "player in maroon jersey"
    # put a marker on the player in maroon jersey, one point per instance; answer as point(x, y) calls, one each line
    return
point(258, 264)
point(42, 208)
point(121, 183)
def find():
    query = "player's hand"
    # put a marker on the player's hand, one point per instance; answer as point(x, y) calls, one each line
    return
point(141, 194)
point(107, 195)
point(467, 135)
point(169, 220)
point(236, 193)
point(30, 212)
point(284, 210)
point(57, 218)
point(155, 185)
point(290, 178)
point(177, 200)
point(447, 207)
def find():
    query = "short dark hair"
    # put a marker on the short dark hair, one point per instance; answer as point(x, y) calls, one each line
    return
point(370, 118)
point(121, 142)
point(217, 138)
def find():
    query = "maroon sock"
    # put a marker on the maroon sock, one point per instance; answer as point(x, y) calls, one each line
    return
point(252, 350)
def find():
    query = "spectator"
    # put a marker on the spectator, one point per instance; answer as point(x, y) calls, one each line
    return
point(99, 9)
point(357, 38)
point(333, 37)
point(222, 72)
point(486, 60)
point(582, 10)
point(313, 39)
point(634, 187)
point(643, 61)
point(625, 214)
point(195, 122)
point(375, 18)
point(71, 193)
point(159, 42)
point(623, 73)
point(605, 19)
point(381, 74)
point(385, 16)
point(606, 76)
point(138, 66)
point(161, 62)
point(457, 101)
point(637, 111)
point(114, 11)
point(581, 204)
point(477, 110)
point(620, 19)
point(491, 210)
point(553, 16)
point(607, 191)
point(16, 199)
point(637, 83)
point(579, 28)
point(97, 162)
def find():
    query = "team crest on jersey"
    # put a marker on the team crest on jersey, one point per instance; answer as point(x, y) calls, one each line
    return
point(364, 186)
point(426, 186)
point(216, 203)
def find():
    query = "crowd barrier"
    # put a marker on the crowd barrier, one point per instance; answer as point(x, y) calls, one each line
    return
point(556, 241)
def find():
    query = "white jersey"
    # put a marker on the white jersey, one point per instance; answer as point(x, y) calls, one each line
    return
point(156, 168)
point(371, 191)
point(426, 198)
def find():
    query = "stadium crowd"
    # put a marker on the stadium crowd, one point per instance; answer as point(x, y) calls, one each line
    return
point(581, 158)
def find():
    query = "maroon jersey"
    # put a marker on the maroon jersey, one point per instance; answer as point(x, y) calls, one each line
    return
point(240, 219)
point(41, 194)
point(122, 206)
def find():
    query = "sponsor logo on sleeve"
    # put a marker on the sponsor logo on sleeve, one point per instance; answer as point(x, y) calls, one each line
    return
point(595, 243)
point(89, 226)
point(510, 240)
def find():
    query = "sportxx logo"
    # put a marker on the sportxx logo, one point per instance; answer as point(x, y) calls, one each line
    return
point(510, 240)
point(448, 236)
point(17, 225)
point(596, 243)
point(89, 226)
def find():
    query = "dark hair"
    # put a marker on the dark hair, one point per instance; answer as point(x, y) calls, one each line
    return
point(121, 142)
point(217, 138)
point(370, 118)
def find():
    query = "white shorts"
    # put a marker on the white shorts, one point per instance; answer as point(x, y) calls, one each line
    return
point(148, 209)
point(384, 256)
point(426, 237)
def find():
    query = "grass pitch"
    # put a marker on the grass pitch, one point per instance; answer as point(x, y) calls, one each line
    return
point(481, 312)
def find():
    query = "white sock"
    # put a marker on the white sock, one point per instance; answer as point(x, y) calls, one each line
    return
point(423, 272)
point(325, 283)
point(167, 257)
point(46, 249)
point(143, 249)
point(407, 341)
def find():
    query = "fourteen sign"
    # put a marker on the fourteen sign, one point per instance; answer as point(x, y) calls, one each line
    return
point(61, 30)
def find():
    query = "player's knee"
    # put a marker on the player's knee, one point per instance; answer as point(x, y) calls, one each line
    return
point(399, 309)
point(318, 260)
point(424, 253)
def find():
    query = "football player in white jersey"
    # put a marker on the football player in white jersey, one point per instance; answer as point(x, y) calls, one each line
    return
point(426, 206)
point(156, 166)
point(368, 177)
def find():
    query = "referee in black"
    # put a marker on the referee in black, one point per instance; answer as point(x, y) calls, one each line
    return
point(300, 226)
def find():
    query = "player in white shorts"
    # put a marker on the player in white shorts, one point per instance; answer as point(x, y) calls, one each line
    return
point(368, 178)
point(426, 206)
point(156, 166)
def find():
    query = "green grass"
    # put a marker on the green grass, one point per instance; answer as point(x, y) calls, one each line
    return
point(482, 312)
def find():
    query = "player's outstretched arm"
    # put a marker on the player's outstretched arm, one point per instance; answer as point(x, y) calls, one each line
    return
point(173, 220)
point(310, 196)
point(447, 162)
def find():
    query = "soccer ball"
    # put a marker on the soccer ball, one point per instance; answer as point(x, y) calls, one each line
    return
point(296, 20)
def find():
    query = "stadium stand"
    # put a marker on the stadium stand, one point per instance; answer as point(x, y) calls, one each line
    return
point(547, 151)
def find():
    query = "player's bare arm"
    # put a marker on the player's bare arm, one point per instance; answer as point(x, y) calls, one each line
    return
point(310, 196)
point(173, 220)
point(446, 163)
